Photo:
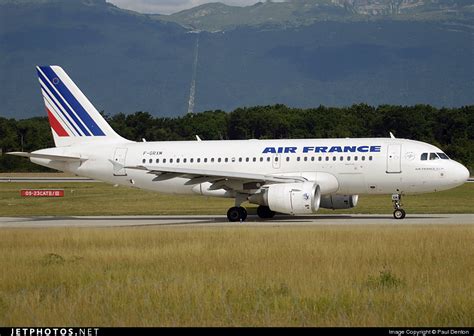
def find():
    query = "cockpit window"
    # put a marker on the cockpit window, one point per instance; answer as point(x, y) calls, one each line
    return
point(424, 156)
point(443, 156)
point(433, 156)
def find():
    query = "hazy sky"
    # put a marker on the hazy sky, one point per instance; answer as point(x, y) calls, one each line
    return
point(172, 6)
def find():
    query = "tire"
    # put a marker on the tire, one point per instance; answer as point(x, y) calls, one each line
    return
point(265, 212)
point(243, 213)
point(233, 214)
point(236, 214)
point(399, 214)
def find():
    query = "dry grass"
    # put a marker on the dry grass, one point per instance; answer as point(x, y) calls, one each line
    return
point(238, 276)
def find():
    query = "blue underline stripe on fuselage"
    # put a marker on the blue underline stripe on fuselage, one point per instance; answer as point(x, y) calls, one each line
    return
point(76, 106)
point(59, 108)
point(63, 103)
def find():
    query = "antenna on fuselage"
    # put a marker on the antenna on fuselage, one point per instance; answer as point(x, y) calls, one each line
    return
point(392, 136)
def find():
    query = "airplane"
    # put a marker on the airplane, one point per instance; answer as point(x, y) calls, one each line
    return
point(287, 176)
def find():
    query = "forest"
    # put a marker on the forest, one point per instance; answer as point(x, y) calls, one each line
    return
point(451, 129)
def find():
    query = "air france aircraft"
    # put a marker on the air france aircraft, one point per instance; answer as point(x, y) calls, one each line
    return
point(295, 177)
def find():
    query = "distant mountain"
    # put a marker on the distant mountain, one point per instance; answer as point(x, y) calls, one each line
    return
point(309, 53)
point(217, 16)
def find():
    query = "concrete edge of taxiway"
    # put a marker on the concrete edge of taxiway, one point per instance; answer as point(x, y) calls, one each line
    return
point(210, 220)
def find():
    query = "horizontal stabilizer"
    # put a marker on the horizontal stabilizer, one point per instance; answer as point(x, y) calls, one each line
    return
point(48, 156)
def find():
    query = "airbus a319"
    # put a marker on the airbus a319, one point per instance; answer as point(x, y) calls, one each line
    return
point(289, 176)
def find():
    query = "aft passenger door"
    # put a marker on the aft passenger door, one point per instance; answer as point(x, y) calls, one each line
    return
point(394, 158)
point(119, 161)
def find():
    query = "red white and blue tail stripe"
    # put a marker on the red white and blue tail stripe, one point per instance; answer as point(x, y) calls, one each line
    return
point(72, 116)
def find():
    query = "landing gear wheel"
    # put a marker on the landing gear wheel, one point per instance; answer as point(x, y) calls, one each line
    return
point(243, 213)
point(236, 214)
point(265, 212)
point(399, 214)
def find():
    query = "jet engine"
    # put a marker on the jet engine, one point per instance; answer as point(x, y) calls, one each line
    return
point(338, 201)
point(289, 198)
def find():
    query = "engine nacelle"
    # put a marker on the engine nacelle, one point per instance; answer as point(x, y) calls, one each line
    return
point(294, 198)
point(338, 201)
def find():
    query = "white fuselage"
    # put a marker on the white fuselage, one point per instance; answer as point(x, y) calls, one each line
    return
point(361, 166)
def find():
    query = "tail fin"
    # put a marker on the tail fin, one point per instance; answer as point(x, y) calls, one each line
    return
point(72, 117)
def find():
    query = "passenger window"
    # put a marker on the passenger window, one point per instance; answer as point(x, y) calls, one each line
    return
point(348, 158)
point(433, 156)
point(205, 160)
point(226, 160)
point(144, 160)
point(198, 160)
point(247, 159)
point(261, 159)
point(313, 158)
point(276, 158)
point(164, 160)
point(240, 159)
point(305, 158)
point(287, 158)
point(424, 156)
point(219, 160)
point(171, 160)
point(355, 158)
point(254, 159)
point(320, 158)
point(191, 160)
point(363, 158)
point(334, 158)
point(268, 159)
point(212, 159)
point(370, 158)
point(157, 160)
point(177, 160)
point(327, 158)
point(341, 158)
point(150, 161)
point(298, 158)
point(184, 160)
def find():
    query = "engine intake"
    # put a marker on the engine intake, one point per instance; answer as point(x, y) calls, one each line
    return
point(338, 201)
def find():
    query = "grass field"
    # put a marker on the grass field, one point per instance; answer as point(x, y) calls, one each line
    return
point(238, 276)
point(104, 199)
point(395, 275)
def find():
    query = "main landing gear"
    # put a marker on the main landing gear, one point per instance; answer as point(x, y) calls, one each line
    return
point(398, 213)
point(236, 214)
point(265, 212)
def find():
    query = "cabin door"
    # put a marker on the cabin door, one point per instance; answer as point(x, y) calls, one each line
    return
point(119, 162)
point(394, 158)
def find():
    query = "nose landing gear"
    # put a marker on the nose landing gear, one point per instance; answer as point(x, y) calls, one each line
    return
point(398, 213)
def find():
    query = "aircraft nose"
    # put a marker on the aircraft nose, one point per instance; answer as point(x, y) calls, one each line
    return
point(461, 173)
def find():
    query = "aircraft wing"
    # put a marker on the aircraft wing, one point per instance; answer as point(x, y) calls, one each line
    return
point(197, 176)
point(51, 157)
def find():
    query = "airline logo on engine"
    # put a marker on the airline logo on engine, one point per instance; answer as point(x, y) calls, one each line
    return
point(322, 149)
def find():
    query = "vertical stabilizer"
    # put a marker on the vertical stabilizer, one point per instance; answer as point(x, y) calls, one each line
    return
point(72, 117)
